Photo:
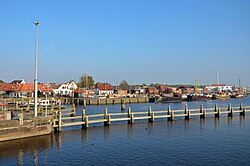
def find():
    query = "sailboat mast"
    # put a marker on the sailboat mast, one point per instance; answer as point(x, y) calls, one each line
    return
point(218, 84)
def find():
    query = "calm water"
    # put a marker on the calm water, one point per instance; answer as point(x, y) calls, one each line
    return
point(212, 141)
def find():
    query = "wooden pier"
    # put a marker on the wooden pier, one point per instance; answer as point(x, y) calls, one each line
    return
point(107, 118)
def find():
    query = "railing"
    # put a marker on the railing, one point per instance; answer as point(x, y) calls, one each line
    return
point(150, 115)
point(27, 112)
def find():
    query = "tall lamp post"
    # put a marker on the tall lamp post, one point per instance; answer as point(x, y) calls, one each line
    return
point(36, 79)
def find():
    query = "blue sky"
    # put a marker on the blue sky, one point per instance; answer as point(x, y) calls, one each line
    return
point(141, 41)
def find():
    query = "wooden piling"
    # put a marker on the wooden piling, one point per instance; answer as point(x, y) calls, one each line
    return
point(216, 110)
point(152, 119)
point(86, 125)
point(187, 112)
point(108, 117)
point(202, 112)
point(84, 103)
point(59, 119)
point(243, 109)
point(169, 112)
point(73, 110)
point(83, 117)
point(172, 116)
point(230, 110)
point(149, 113)
point(123, 106)
point(132, 118)
point(129, 114)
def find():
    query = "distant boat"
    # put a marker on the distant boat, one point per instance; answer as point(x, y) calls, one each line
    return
point(239, 95)
point(195, 97)
point(171, 99)
point(198, 94)
point(221, 96)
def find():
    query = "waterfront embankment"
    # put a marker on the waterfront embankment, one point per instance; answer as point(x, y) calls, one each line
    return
point(105, 101)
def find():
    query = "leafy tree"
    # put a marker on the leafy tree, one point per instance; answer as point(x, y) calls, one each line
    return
point(2, 82)
point(124, 85)
point(86, 81)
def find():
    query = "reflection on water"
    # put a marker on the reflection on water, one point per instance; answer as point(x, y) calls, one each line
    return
point(27, 146)
point(223, 139)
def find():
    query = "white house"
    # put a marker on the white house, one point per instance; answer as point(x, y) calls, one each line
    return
point(104, 90)
point(65, 89)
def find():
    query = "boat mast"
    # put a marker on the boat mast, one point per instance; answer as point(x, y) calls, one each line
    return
point(218, 82)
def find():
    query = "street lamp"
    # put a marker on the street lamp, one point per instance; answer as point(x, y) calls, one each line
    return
point(36, 79)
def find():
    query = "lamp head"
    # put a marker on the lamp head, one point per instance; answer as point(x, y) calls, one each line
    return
point(36, 22)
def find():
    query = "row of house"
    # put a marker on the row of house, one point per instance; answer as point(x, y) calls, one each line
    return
point(23, 90)
point(18, 88)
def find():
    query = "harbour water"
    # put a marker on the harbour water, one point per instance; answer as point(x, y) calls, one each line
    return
point(211, 141)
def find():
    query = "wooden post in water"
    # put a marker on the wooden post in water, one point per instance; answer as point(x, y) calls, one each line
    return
point(149, 113)
point(172, 115)
point(59, 119)
point(169, 112)
point(152, 119)
point(217, 110)
point(230, 110)
point(73, 110)
point(129, 114)
point(123, 106)
point(108, 117)
point(242, 109)
point(86, 125)
point(187, 112)
point(83, 117)
point(202, 112)
point(241, 106)
point(84, 103)
point(132, 118)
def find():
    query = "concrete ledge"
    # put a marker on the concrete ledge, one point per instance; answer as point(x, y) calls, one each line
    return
point(11, 133)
